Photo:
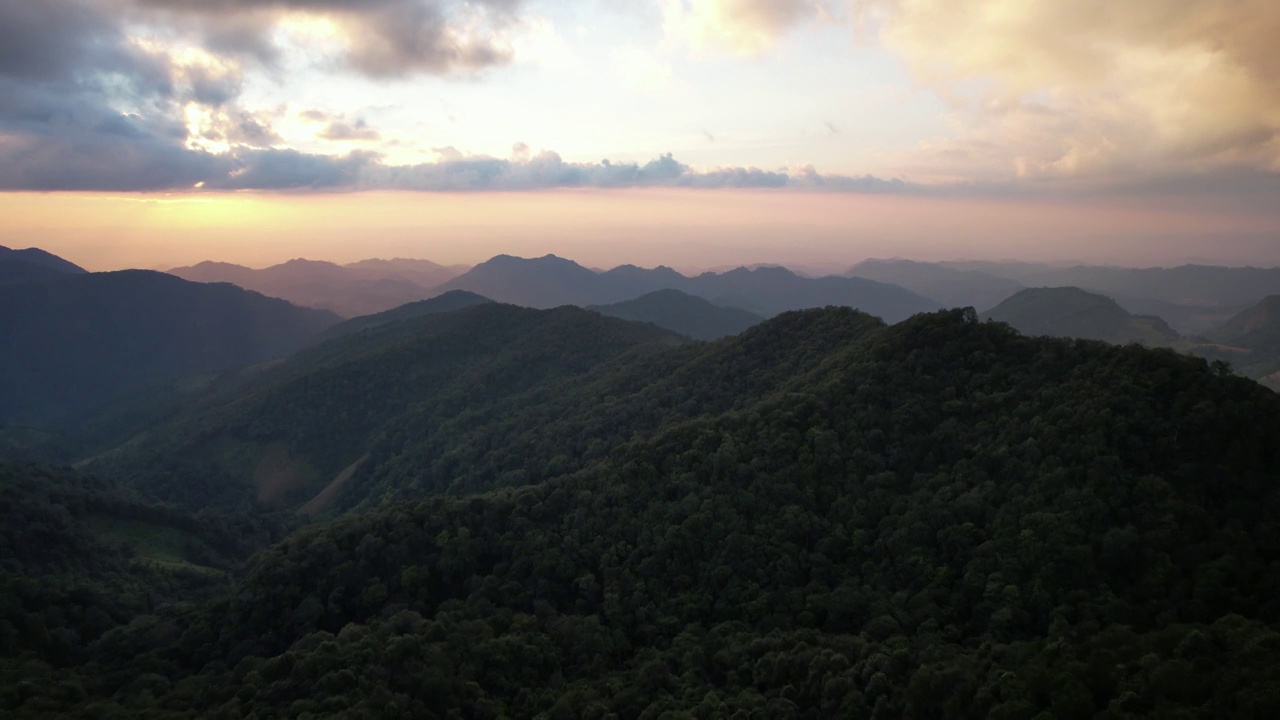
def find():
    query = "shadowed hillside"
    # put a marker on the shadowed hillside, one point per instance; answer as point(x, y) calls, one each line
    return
point(823, 517)
point(284, 438)
point(688, 315)
point(33, 264)
point(448, 302)
point(77, 341)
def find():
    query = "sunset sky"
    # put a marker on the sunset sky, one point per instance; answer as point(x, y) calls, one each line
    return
point(696, 133)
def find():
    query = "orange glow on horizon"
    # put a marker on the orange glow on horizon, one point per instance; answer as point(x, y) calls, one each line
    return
point(684, 228)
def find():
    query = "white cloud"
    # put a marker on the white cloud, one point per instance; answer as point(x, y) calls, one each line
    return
point(743, 26)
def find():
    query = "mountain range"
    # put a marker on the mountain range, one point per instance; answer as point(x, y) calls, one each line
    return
point(511, 512)
point(361, 288)
point(949, 286)
point(551, 281)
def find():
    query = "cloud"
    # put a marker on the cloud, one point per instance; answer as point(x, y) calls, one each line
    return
point(273, 169)
point(382, 38)
point(546, 170)
point(341, 130)
point(743, 26)
point(1060, 89)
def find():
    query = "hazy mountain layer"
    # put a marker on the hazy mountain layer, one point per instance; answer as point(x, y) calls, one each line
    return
point(362, 288)
point(1191, 297)
point(447, 302)
point(551, 281)
point(1250, 341)
point(76, 341)
point(950, 287)
point(1075, 313)
point(683, 313)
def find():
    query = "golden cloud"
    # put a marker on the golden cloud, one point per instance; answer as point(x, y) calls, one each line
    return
point(1079, 87)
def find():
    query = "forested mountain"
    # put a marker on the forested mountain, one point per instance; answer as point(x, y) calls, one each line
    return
point(1072, 312)
point(364, 401)
point(822, 517)
point(551, 281)
point(361, 288)
point(79, 557)
point(688, 315)
point(76, 341)
point(950, 287)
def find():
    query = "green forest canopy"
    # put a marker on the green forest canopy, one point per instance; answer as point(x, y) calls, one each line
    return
point(823, 517)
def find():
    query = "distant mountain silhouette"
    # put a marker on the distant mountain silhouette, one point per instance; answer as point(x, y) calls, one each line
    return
point(420, 272)
point(74, 342)
point(951, 287)
point(362, 288)
point(1192, 298)
point(448, 302)
point(33, 264)
point(551, 281)
point(1075, 313)
point(545, 282)
point(688, 315)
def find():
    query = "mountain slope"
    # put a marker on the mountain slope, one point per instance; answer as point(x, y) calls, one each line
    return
point(1250, 341)
point(41, 258)
point(1072, 312)
point(949, 286)
point(447, 302)
point(33, 264)
point(75, 342)
point(1257, 328)
point(938, 519)
point(682, 313)
point(286, 436)
point(362, 288)
point(551, 281)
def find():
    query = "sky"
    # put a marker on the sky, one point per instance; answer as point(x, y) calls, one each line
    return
point(693, 133)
